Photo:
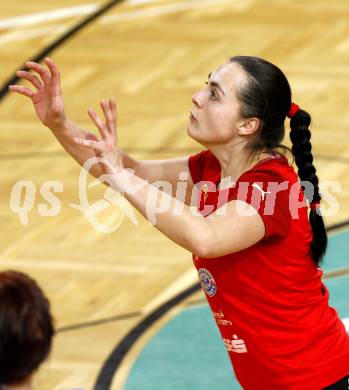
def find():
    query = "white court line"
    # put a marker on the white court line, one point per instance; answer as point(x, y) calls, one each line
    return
point(136, 2)
point(61, 13)
point(78, 266)
point(346, 323)
point(126, 16)
point(43, 17)
point(14, 36)
point(167, 9)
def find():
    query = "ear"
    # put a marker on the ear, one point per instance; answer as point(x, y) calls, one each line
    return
point(248, 126)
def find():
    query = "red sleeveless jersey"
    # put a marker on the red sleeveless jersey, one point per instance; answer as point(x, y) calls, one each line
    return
point(268, 300)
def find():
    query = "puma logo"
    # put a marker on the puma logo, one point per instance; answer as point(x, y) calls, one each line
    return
point(255, 185)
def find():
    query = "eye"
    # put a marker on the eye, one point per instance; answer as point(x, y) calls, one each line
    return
point(213, 94)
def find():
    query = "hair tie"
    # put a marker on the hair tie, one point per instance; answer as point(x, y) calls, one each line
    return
point(315, 205)
point(293, 110)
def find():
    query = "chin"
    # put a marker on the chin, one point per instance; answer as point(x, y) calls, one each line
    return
point(197, 139)
point(189, 131)
point(194, 133)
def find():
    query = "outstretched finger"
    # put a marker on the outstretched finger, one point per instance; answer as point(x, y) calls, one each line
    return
point(97, 121)
point(30, 77)
point(95, 145)
point(21, 90)
point(112, 106)
point(44, 74)
point(55, 76)
point(108, 116)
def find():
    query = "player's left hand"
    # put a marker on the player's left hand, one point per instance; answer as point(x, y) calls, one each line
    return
point(106, 147)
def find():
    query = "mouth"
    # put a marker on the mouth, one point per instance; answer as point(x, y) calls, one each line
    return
point(192, 117)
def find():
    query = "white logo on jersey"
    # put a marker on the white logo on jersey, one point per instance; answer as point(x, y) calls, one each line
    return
point(236, 345)
point(220, 319)
point(255, 185)
point(224, 322)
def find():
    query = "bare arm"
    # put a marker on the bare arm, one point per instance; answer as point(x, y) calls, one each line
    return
point(47, 99)
point(213, 236)
point(171, 171)
point(168, 170)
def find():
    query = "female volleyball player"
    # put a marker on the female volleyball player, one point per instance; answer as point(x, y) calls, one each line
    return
point(256, 249)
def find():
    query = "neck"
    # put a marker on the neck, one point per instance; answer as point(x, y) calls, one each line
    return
point(236, 158)
point(25, 385)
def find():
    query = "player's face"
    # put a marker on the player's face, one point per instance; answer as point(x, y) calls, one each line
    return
point(215, 114)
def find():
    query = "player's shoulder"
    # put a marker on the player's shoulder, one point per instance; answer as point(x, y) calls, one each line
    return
point(204, 166)
point(273, 169)
point(207, 160)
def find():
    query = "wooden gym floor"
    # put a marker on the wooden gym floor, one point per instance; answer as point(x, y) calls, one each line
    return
point(152, 56)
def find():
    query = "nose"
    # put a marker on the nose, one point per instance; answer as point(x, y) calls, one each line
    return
point(196, 99)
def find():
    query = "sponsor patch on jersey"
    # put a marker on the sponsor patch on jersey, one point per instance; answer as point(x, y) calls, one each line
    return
point(207, 282)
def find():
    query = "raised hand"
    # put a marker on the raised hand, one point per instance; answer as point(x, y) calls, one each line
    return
point(107, 146)
point(47, 94)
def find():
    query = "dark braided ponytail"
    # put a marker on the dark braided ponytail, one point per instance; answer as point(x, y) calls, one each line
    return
point(267, 95)
point(301, 149)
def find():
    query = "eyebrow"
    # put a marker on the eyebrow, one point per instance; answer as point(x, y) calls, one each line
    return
point(215, 84)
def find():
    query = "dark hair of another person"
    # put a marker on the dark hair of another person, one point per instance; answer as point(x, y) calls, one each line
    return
point(267, 95)
point(26, 327)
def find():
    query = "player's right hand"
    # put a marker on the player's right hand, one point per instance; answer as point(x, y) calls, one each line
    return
point(107, 146)
point(47, 97)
